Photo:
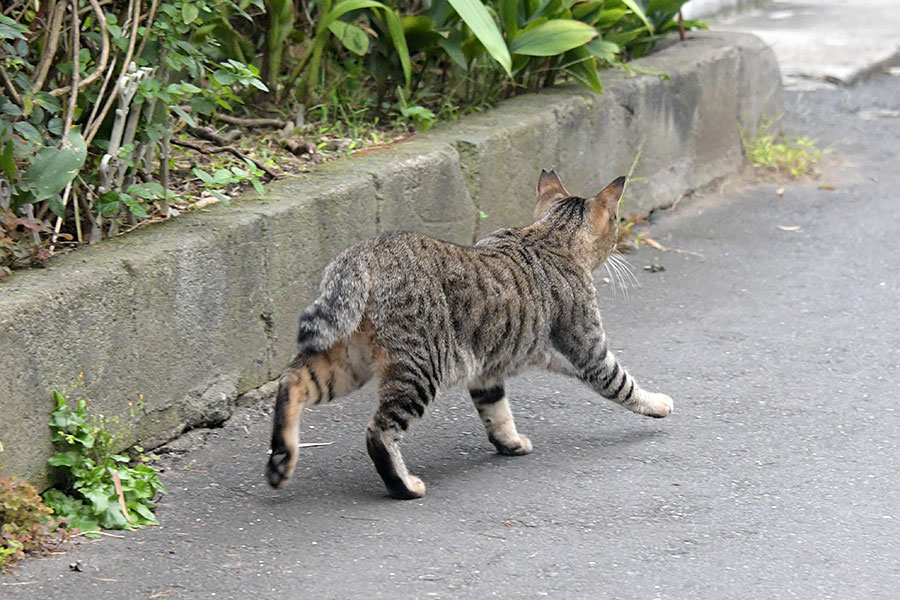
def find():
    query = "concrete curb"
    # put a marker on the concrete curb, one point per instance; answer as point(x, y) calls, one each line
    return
point(173, 322)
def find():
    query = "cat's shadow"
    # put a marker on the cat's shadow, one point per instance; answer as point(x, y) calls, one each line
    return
point(457, 463)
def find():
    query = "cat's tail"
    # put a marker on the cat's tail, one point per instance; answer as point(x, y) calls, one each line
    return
point(338, 310)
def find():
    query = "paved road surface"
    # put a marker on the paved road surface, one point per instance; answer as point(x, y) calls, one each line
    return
point(776, 477)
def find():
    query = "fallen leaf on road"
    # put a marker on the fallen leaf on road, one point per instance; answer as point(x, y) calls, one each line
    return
point(830, 188)
point(789, 227)
point(780, 191)
point(654, 268)
point(654, 244)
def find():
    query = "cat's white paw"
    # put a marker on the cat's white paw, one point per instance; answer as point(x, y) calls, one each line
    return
point(655, 405)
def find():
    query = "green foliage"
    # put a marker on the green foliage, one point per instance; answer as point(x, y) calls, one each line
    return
point(88, 163)
point(228, 176)
point(27, 523)
point(89, 467)
point(91, 159)
point(782, 155)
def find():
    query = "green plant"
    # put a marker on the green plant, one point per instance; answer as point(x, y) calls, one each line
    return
point(780, 154)
point(229, 176)
point(26, 524)
point(91, 95)
point(101, 489)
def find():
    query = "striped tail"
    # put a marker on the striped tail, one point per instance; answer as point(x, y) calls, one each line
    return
point(338, 310)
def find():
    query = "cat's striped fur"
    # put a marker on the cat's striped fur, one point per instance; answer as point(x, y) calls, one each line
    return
point(423, 315)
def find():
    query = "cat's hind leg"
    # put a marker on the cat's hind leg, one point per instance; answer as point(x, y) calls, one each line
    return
point(309, 380)
point(403, 396)
point(493, 408)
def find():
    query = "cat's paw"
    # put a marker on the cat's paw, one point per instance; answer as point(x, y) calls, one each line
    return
point(413, 488)
point(656, 405)
point(518, 447)
point(279, 468)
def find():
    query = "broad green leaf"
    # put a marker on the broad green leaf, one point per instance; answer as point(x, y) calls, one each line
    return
point(56, 205)
point(108, 204)
point(352, 37)
point(189, 12)
point(553, 38)
point(393, 23)
point(135, 206)
point(665, 6)
point(85, 526)
point(583, 68)
point(158, 192)
point(479, 20)
point(63, 459)
point(222, 176)
point(417, 25)
point(7, 162)
point(222, 197)
point(54, 168)
point(607, 18)
point(453, 47)
point(99, 499)
point(145, 513)
point(634, 6)
point(203, 175)
point(10, 30)
point(28, 131)
point(223, 77)
point(181, 113)
point(603, 49)
point(399, 39)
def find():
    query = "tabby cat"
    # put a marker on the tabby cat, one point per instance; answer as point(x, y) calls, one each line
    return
point(423, 315)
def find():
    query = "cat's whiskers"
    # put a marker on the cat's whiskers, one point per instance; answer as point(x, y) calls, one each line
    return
point(617, 276)
point(626, 267)
point(611, 278)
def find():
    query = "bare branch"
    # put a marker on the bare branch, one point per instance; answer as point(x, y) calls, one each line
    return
point(46, 61)
point(136, 6)
point(104, 52)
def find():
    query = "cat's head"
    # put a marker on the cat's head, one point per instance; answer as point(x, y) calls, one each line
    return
point(589, 224)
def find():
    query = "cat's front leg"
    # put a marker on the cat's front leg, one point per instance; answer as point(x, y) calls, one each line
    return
point(493, 408)
point(597, 366)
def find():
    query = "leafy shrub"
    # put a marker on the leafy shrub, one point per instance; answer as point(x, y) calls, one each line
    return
point(88, 147)
point(100, 489)
point(92, 96)
point(26, 524)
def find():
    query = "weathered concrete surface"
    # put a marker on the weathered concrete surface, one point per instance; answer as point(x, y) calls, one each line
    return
point(823, 43)
point(180, 318)
point(683, 131)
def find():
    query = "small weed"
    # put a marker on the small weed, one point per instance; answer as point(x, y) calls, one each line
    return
point(229, 176)
point(102, 490)
point(782, 155)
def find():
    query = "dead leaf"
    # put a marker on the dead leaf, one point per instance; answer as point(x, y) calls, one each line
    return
point(654, 268)
point(830, 188)
point(780, 191)
point(789, 227)
point(118, 483)
point(654, 244)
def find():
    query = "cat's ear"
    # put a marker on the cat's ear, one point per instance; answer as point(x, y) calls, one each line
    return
point(605, 205)
point(549, 189)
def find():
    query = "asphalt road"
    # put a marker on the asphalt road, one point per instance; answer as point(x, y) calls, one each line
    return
point(777, 476)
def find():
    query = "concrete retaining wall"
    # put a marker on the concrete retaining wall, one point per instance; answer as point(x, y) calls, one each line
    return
point(188, 314)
